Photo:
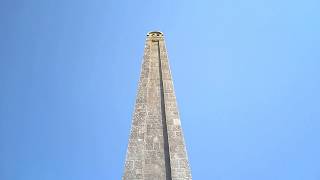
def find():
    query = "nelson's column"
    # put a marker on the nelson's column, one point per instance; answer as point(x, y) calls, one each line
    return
point(156, 148)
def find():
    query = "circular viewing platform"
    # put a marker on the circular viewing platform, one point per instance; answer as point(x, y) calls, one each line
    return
point(155, 33)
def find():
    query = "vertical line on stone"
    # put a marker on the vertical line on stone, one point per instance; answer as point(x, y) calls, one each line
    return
point(164, 122)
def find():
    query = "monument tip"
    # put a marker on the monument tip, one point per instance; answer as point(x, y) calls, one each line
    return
point(155, 33)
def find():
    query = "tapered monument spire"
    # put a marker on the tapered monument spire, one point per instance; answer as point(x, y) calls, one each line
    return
point(156, 149)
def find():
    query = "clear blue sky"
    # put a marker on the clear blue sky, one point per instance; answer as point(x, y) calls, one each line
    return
point(246, 73)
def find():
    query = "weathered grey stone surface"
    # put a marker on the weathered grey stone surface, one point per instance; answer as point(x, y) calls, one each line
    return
point(156, 149)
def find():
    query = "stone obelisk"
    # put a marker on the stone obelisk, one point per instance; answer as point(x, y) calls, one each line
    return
point(156, 149)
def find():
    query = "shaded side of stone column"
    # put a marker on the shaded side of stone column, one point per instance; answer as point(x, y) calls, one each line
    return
point(180, 169)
